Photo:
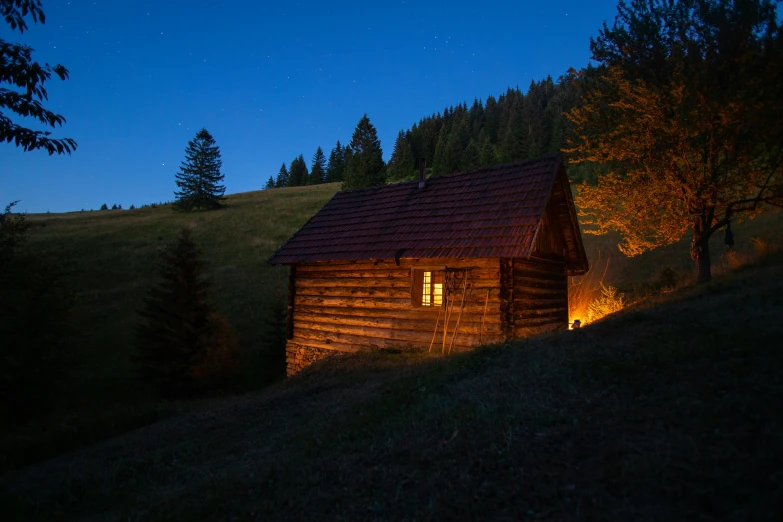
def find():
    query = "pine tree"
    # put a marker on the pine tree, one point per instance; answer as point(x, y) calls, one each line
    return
point(104, 207)
point(439, 161)
point(317, 168)
point(336, 166)
point(199, 177)
point(282, 177)
point(270, 184)
point(471, 156)
point(489, 155)
point(297, 174)
point(400, 165)
point(365, 167)
point(180, 326)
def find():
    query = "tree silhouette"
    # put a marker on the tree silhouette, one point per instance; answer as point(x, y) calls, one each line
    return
point(365, 166)
point(26, 79)
point(199, 177)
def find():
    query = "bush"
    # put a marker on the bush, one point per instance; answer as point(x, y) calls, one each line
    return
point(609, 302)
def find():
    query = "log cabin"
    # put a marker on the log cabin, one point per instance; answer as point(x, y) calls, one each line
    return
point(445, 263)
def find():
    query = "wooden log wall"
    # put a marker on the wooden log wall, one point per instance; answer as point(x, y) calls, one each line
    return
point(346, 306)
point(540, 295)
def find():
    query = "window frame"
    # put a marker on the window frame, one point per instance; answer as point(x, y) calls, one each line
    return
point(417, 287)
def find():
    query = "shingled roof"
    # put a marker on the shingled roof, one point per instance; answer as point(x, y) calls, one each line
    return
point(490, 212)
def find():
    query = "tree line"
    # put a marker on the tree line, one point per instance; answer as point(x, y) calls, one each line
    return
point(510, 127)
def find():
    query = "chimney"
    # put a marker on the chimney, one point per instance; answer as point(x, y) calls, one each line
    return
point(422, 167)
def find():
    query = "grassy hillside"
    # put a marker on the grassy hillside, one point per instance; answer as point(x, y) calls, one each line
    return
point(113, 258)
point(665, 411)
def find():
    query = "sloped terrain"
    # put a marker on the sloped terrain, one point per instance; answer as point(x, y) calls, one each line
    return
point(666, 411)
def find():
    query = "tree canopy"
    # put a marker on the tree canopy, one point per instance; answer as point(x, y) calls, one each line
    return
point(682, 118)
point(297, 172)
point(317, 168)
point(400, 165)
point(22, 90)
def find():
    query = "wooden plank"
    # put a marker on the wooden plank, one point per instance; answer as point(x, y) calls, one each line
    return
point(356, 292)
point(353, 272)
point(401, 332)
point(380, 338)
point(538, 274)
point(538, 303)
point(521, 292)
point(354, 302)
point(376, 328)
point(493, 315)
point(521, 315)
point(531, 282)
point(337, 347)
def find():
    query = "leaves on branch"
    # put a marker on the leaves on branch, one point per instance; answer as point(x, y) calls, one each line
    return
point(26, 79)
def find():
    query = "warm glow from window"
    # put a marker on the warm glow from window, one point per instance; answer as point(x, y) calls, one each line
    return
point(426, 298)
point(437, 294)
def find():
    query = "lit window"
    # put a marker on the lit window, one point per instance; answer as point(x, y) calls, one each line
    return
point(427, 288)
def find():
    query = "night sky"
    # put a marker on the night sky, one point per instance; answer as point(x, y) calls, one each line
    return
point(269, 80)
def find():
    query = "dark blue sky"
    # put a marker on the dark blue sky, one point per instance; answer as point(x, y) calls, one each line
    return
point(269, 80)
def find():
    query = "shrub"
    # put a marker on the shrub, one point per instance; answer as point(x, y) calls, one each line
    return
point(609, 302)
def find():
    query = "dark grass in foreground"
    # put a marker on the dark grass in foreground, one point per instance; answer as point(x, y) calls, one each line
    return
point(668, 411)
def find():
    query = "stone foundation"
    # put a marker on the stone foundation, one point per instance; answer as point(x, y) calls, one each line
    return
point(298, 357)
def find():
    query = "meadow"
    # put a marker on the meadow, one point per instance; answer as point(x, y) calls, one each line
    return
point(666, 410)
point(112, 257)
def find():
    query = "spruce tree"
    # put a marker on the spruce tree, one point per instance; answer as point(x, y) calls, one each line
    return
point(365, 167)
point(282, 177)
point(270, 184)
point(199, 177)
point(471, 156)
point(297, 174)
point(400, 165)
point(336, 166)
point(104, 207)
point(180, 327)
point(318, 168)
point(489, 155)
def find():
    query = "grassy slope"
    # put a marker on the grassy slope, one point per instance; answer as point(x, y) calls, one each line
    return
point(114, 257)
point(667, 411)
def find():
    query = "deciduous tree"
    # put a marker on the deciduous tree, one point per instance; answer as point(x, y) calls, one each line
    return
point(22, 90)
point(683, 121)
